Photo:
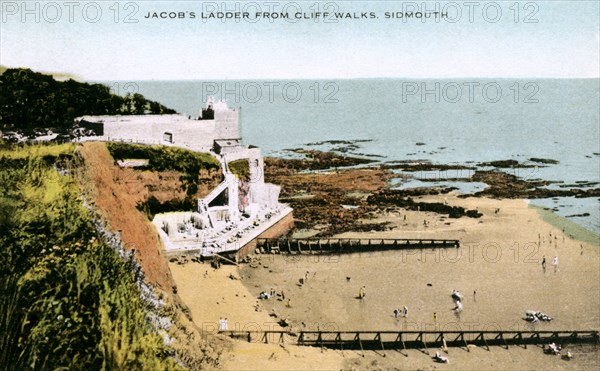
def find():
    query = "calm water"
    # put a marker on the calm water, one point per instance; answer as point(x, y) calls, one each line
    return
point(457, 121)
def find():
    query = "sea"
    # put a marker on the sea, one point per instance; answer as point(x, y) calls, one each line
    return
point(445, 121)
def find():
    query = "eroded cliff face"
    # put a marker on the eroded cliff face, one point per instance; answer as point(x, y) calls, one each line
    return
point(115, 193)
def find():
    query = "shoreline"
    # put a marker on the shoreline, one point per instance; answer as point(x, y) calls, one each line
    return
point(495, 245)
point(316, 195)
point(572, 229)
point(497, 268)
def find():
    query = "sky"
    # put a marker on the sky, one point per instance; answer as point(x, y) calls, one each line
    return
point(109, 40)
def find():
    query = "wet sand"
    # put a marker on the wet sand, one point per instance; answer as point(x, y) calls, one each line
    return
point(500, 257)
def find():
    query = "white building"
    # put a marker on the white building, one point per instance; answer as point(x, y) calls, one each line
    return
point(236, 211)
point(217, 121)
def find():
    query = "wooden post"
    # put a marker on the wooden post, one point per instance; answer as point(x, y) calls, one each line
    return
point(399, 338)
point(420, 337)
point(502, 337)
point(357, 338)
point(462, 334)
point(484, 341)
point(378, 338)
point(338, 340)
point(519, 336)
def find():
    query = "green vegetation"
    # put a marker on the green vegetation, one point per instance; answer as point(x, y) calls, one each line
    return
point(240, 168)
point(152, 206)
point(67, 300)
point(31, 101)
point(162, 158)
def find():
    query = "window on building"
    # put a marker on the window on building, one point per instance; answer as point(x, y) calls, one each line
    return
point(168, 137)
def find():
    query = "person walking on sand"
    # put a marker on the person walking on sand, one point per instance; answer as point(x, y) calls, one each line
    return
point(434, 317)
point(405, 311)
point(362, 293)
point(544, 262)
point(555, 262)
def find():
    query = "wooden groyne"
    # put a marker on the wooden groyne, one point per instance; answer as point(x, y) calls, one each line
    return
point(424, 340)
point(349, 245)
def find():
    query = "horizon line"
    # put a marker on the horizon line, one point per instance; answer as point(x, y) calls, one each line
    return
point(83, 78)
point(358, 78)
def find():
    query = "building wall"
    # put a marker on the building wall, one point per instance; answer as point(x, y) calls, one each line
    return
point(281, 228)
point(198, 135)
point(191, 134)
point(227, 124)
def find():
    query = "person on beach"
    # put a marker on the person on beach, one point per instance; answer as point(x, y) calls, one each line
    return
point(222, 324)
point(288, 304)
point(362, 292)
point(405, 309)
point(458, 306)
point(396, 313)
point(456, 295)
point(555, 263)
point(434, 317)
point(544, 262)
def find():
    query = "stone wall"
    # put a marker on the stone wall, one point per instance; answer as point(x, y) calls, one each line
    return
point(227, 124)
point(190, 134)
point(197, 135)
point(281, 228)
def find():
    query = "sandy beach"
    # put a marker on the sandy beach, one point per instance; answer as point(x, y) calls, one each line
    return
point(498, 270)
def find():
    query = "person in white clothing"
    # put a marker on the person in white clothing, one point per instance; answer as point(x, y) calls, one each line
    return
point(222, 324)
